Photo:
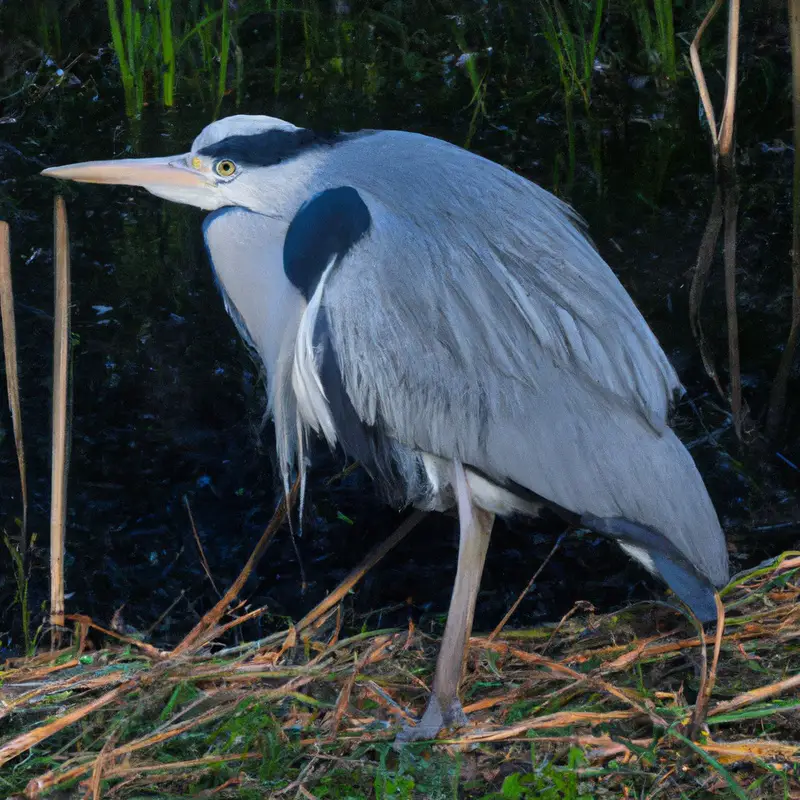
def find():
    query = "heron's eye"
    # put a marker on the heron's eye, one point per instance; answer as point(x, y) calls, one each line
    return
point(225, 168)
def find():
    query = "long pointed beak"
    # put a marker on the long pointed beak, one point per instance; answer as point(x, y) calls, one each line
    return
point(147, 172)
point(171, 178)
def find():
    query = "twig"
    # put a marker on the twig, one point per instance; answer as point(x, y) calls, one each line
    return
point(731, 210)
point(347, 689)
point(500, 625)
point(12, 372)
point(61, 346)
point(372, 558)
point(211, 618)
point(202, 552)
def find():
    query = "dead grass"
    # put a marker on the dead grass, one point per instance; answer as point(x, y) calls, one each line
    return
point(610, 701)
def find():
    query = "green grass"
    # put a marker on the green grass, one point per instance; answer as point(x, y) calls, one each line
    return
point(656, 32)
point(149, 47)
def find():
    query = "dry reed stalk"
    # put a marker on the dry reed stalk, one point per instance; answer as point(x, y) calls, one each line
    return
point(191, 764)
point(105, 757)
point(20, 744)
point(560, 719)
point(759, 695)
point(725, 207)
point(753, 751)
point(563, 671)
point(699, 75)
point(705, 258)
point(212, 617)
point(147, 649)
point(347, 689)
point(709, 676)
point(8, 320)
point(54, 778)
point(371, 559)
point(218, 630)
point(61, 344)
point(11, 704)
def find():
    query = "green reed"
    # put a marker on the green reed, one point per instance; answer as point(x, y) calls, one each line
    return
point(657, 41)
point(167, 52)
point(124, 54)
point(49, 28)
point(224, 53)
point(574, 37)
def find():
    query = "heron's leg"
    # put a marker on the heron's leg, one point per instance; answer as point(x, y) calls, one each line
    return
point(444, 708)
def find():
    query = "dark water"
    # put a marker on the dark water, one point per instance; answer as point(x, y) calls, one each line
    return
point(167, 404)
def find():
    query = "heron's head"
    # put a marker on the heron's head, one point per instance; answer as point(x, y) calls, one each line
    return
point(254, 162)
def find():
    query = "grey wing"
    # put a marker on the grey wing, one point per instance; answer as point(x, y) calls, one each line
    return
point(515, 350)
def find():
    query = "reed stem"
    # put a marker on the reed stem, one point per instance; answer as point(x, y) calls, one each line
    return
point(12, 372)
point(61, 345)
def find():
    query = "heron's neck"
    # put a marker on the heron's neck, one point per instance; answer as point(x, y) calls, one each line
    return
point(246, 253)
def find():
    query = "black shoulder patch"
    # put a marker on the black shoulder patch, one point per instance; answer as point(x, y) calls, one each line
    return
point(325, 227)
point(368, 444)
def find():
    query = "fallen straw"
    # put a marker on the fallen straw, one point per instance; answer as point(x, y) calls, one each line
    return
point(61, 337)
point(12, 373)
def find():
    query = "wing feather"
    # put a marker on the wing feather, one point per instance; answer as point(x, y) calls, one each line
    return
point(483, 326)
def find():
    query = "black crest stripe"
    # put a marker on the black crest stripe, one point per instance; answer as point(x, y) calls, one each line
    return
point(262, 149)
point(273, 146)
point(325, 227)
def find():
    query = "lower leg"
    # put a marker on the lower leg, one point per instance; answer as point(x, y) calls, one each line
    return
point(444, 708)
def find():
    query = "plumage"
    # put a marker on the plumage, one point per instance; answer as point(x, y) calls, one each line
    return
point(475, 321)
point(326, 227)
point(449, 324)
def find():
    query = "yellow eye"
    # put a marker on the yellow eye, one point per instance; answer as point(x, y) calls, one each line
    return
point(225, 168)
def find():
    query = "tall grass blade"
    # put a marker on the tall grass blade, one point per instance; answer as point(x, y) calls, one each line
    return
point(122, 57)
point(167, 52)
point(61, 353)
point(665, 23)
point(12, 372)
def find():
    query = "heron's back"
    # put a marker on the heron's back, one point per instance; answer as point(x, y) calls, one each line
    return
point(477, 322)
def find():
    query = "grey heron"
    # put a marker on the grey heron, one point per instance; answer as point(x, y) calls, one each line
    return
point(448, 324)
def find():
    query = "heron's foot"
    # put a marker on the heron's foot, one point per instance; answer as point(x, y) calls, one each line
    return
point(433, 720)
